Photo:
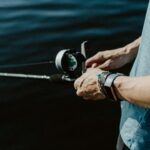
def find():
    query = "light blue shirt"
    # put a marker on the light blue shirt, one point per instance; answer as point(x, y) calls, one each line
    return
point(135, 120)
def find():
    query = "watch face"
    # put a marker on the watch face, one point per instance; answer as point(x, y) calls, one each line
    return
point(72, 62)
point(103, 75)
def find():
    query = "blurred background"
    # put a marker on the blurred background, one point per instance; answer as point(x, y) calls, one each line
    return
point(40, 115)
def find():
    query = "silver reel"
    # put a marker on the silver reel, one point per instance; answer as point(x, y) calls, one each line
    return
point(71, 62)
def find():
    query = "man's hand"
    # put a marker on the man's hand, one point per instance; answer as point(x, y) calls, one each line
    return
point(108, 60)
point(87, 85)
point(114, 59)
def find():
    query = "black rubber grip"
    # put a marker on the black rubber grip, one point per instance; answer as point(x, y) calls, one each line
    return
point(56, 78)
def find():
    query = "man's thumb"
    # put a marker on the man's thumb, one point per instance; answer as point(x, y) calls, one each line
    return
point(92, 60)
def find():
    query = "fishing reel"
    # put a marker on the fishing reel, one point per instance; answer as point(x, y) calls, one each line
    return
point(70, 63)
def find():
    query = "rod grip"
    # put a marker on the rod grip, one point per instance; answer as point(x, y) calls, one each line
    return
point(56, 78)
point(60, 78)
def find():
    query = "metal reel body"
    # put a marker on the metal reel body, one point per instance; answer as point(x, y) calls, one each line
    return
point(69, 62)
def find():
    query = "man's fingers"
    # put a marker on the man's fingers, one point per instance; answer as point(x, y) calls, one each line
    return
point(80, 93)
point(94, 65)
point(78, 83)
point(92, 60)
point(83, 93)
point(98, 58)
point(107, 65)
point(95, 97)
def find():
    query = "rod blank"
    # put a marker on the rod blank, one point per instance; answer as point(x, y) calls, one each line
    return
point(26, 76)
point(51, 78)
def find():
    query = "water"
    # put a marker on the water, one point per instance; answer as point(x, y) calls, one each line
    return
point(41, 115)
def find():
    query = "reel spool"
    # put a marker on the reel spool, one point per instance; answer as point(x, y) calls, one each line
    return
point(70, 62)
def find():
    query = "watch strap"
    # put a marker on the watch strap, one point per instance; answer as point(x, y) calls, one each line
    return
point(106, 80)
point(110, 87)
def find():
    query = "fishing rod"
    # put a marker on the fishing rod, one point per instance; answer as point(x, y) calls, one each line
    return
point(69, 62)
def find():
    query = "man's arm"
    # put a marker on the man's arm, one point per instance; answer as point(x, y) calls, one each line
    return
point(116, 58)
point(133, 47)
point(126, 87)
point(134, 89)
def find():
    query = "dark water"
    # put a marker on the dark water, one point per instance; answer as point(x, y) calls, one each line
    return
point(41, 115)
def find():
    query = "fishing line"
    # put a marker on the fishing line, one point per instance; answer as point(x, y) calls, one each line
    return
point(27, 64)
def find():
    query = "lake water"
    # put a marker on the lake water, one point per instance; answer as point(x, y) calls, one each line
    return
point(37, 114)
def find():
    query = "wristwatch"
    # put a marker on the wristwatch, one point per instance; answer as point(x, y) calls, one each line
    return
point(106, 80)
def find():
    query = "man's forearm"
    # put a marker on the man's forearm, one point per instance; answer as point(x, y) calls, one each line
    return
point(133, 47)
point(134, 89)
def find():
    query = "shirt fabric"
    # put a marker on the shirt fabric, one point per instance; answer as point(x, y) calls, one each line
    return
point(135, 120)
